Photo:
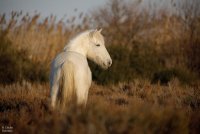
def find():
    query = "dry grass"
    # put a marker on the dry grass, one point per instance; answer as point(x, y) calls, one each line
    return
point(136, 107)
point(43, 38)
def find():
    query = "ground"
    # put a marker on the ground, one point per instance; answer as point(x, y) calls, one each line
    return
point(135, 107)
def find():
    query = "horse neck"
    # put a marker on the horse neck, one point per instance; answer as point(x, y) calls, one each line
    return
point(78, 45)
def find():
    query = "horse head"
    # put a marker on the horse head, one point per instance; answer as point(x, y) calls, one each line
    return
point(97, 51)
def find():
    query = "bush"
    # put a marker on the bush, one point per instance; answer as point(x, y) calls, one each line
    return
point(193, 56)
point(145, 60)
point(166, 75)
point(128, 64)
point(142, 61)
point(120, 69)
point(15, 65)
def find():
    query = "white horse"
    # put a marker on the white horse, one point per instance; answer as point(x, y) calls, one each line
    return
point(70, 77)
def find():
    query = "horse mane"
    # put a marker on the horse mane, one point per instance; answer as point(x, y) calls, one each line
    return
point(74, 39)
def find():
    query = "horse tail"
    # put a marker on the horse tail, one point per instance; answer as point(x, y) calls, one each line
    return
point(54, 85)
point(67, 86)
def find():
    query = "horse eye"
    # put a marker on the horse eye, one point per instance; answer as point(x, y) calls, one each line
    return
point(98, 45)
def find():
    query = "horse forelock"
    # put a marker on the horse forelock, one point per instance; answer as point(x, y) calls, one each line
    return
point(99, 37)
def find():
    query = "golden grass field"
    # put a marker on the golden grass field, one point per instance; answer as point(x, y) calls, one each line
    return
point(136, 107)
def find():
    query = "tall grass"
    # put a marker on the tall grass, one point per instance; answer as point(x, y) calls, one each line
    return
point(16, 66)
point(141, 45)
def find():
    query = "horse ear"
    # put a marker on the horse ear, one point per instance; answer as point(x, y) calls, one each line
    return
point(100, 30)
point(92, 33)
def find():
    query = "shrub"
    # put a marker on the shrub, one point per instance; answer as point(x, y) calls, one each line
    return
point(145, 60)
point(166, 75)
point(127, 64)
point(120, 69)
point(193, 56)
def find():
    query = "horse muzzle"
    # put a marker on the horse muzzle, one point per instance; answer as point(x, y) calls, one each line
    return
point(107, 64)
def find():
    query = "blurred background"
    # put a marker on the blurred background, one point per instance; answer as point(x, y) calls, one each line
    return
point(155, 40)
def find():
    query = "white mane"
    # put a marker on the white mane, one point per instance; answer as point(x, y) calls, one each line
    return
point(76, 39)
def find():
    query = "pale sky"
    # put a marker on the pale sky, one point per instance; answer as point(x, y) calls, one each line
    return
point(60, 8)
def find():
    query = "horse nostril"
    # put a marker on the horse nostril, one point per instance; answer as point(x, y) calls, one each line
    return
point(109, 63)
